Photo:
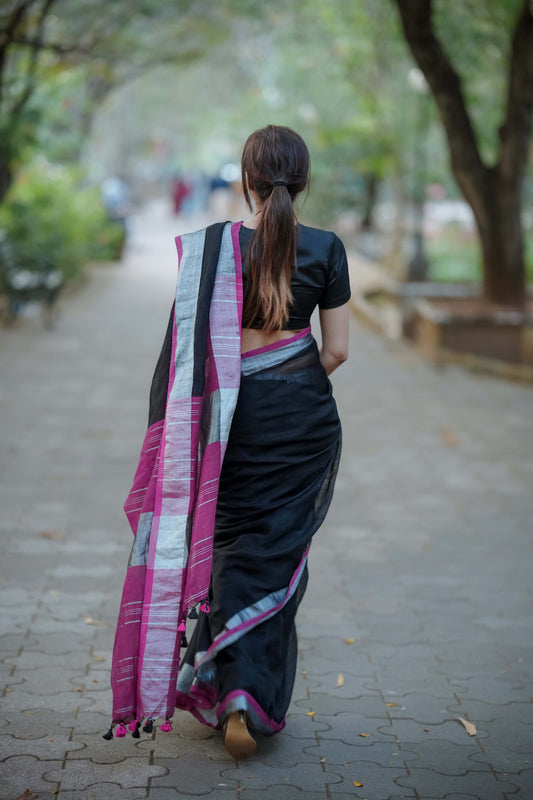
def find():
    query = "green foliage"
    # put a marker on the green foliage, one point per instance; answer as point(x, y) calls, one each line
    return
point(49, 215)
point(477, 37)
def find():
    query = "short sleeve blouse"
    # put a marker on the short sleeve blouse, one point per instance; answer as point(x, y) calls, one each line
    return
point(319, 278)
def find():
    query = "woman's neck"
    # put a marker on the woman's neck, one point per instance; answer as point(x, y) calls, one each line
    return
point(253, 222)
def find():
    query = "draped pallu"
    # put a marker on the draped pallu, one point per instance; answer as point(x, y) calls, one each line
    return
point(171, 506)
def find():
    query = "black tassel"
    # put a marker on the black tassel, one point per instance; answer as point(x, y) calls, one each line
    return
point(136, 733)
point(193, 613)
point(149, 727)
point(184, 642)
point(109, 734)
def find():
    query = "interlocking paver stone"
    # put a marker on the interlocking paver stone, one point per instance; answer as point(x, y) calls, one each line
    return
point(413, 563)
point(377, 780)
point(50, 747)
point(194, 774)
point(306, 777)
point(25, 772)
point(104, 791)
point(80, 773)
point(477, 784)
point(280, 792)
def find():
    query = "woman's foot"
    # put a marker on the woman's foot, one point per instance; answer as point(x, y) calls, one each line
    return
point(238, 741)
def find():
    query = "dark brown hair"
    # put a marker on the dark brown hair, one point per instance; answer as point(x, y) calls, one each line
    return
point(275, 165)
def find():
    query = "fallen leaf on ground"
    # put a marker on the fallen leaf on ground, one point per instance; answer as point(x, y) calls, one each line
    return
point(98, 622)
point(52, 535)
point(469, 727)
point(350, 640)
point(27, 795)
point(340, 680)
point(99, 658)
point(448, 437)
point(322, 760)
point(310, 714)
point(78, 689)
point(357, 783)
point(364, 735)
point(390, 705)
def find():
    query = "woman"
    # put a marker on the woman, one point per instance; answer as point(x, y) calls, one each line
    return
point(238, 465)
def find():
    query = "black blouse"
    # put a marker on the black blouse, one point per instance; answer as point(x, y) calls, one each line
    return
point(320, 277)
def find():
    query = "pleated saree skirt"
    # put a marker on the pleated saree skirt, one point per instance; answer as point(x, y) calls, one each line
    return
point(276, 486)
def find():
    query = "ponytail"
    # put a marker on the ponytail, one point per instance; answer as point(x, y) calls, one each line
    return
point(269, 153)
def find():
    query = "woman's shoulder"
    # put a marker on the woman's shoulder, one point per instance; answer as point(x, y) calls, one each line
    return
point(318, 239)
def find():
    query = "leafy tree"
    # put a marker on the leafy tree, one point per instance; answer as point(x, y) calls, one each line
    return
point(490, 181)
point(108, 43)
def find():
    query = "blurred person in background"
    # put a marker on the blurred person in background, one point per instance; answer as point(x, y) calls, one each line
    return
point(238, 465)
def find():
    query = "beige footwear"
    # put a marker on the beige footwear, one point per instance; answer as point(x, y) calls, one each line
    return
point(238, 741)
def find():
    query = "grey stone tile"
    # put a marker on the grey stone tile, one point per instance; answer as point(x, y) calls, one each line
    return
point(500, 757)
point(25, 772)
point(216, 793)
point(52, 747)
point(169, 745)
point(59, 643)
point(444, 757)
point(104, 791)
point(510, 734)
point(378, 781)
point(80, 773)
point(407, 731)
point(195, 775)
point(13, 643)
point(101, 751)
point(338, 753)
point(35, 723)
point(63, 702)
point(281, 792)
point(478, 784)
point(305, 777)
point(32, 660)
point(479, 711)
point(330, 705)
point(302, 726)
point(347, 727)
point(283, 750)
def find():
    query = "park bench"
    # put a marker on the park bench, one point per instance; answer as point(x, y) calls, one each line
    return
point(23, 282)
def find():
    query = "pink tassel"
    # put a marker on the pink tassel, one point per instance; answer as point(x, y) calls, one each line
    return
point(121, 731)
point(205, 608)
point(182, 626)
point(133, 725)
point(166, 727)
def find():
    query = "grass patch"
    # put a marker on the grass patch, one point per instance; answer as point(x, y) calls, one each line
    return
point(455, 256)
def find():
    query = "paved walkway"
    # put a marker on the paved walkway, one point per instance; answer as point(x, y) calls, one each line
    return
point(418, 611)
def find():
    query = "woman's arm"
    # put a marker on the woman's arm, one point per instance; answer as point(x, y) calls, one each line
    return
point(335, 327)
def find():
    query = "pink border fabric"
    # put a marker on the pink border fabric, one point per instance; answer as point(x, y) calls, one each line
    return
point(174, 494)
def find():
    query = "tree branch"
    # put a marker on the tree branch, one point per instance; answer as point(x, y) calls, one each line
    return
point(445, 84)
point(516, 129)
point(55, 47)
point(6, 33)
point(32, 67)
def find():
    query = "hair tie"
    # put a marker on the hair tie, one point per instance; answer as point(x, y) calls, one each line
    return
point(279, 183)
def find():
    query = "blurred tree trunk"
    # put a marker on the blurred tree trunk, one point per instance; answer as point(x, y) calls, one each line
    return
point(371, 182)
point(493, 192)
